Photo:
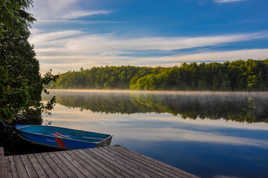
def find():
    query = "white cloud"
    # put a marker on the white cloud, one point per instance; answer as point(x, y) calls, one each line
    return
point(77, 14)
point(65, 63)
point(47, 9)
point(97, 43)
point(227, 1)
point(210, 56)
point(61, 11)
point(224, 55)
point(39, 38)
point(74, 46)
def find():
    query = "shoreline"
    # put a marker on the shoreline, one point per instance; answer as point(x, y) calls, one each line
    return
point(191, 92)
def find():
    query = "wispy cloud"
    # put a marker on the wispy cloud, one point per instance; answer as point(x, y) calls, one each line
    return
point(43, 39)
point(78, 14)
point(227, 1)
point(62, 11)
point(214, 56)
point(98, 43)
point(74, 49)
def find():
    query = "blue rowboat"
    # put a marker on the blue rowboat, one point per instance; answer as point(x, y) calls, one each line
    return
point(62, 138)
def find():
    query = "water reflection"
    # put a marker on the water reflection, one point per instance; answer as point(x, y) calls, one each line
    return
point(159, 127)
point(249, 107)
point(190, 131)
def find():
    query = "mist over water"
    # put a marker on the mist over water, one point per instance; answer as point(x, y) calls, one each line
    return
point(209, 134)
point(238, 106)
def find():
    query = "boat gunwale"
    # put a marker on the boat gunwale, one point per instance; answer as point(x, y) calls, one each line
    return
point(97, 143)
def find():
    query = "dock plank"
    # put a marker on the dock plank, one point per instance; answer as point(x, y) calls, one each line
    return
point(28, 166)
point(141, 164)
point(137, 165)
point(20, 167)
point(12, 167)
point(44, 170)
point(113, 164)
point(88, 164)
point(76, 164)
point(110, 161)
point(113, 171)
point(117, 162)
point(37, 167)
point(69, 164)
point(63, 167)
point(3, 164)
point(139, 158)
point(152, 161)
point(105, 170)
point(77, 161)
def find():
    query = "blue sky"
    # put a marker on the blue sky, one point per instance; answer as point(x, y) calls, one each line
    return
point(70, 34)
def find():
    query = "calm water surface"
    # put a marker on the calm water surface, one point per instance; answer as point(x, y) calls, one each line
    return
point(207, 134)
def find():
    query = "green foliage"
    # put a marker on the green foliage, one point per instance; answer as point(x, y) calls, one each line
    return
point(102, 77)
point(20, 82)
point(229, 76)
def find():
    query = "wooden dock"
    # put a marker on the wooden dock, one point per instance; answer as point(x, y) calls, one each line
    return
point(111, 161)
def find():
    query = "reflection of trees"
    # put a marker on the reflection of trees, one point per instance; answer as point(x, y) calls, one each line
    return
point(238, 107)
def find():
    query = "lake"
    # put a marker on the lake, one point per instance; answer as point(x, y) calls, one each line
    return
point(209, 134)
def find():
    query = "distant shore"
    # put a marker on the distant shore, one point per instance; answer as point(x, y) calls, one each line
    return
point(250, 75)
point(154, 91)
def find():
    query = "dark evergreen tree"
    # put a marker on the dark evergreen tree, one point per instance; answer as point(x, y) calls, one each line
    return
point(20, 84)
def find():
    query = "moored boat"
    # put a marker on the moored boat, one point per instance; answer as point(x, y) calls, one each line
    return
point(62, 138)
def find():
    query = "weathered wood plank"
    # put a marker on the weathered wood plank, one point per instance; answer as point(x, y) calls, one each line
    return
point(36, 165)
point(113, 159)
point(88, 164)
point(20, 167)
point(3, 164)
point(104, 162)
point(12, 167)
point(114, 164)
point(54, 165)
point(62, 166)
point(151, 161)
point(28, 166)
point(106, 170)
point(69, 164)
point(143, 166)
point(154, 167)
point(77, 161)
point(47, 165)
point(137, 165)
point(5, 168)
point(76, 164)
point(2, 171)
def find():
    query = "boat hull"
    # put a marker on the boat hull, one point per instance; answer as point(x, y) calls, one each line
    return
point(60, 142)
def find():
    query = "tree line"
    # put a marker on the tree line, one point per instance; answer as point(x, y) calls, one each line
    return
point(229, 76)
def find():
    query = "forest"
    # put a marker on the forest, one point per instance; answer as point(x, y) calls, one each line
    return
point(240, 75)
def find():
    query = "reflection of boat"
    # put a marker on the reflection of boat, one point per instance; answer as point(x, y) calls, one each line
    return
point(62, 138)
